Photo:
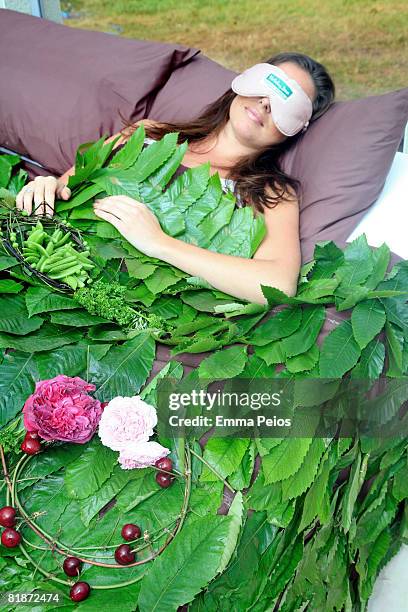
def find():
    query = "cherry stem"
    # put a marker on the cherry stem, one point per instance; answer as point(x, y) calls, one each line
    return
point(58, 546)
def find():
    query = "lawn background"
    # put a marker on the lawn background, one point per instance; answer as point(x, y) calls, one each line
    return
point(363, 43)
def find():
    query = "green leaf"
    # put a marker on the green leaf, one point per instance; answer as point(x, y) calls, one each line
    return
point(139, 269)
point(151, 158)
point(271, 353)
point(141, 486)
point(76, 318)
point(316, 499)
point(371, 362)
point(358, 471)
point(70, 360)
point(7, 285)
point(17, 381)
point(367, 320)
point(82, 196)
point(358, 263)
point(305, 361)
point(395, 344)
point(236, 513)
point(47, 338)
point(44, 464)
point(41, 299)
point(119, 478)
point(224, 455)
point(215, 221)
point(14, 317)
point(241, 478)
point(124, 369)
point(223, 364)
point(285, 459)
point(281, 324)
point(339, 352)
point(5, 171)
point(7, 262)
point(242, 236)
point(303, 339)
point(160, 279)
point(381, 258)
point(203, 301)
point(87, 473)
point(328, 258)
point(186, 566)
point(128, 155)
point(318, 288)
point(302, 479)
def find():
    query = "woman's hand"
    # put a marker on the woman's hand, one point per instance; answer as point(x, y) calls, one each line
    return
point(134, 221)
point(42, 189)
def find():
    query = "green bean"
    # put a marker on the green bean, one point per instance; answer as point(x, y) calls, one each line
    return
point(57, 255)
point(50, 248)
point(40, 249)
point(35, 237)
point(56, 235)
point(72, 281)
point(68, 272)
point(68, 261)
point(41, 261)
point(83, 258)
point(63, 240)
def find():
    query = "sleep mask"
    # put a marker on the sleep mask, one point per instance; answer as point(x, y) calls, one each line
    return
point(291, 107)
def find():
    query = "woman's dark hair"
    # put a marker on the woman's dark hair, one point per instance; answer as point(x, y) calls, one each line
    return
point(252, 174)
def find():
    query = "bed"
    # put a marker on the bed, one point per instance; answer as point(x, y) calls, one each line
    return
point(350, 190)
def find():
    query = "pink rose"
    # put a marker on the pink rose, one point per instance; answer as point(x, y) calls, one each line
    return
point(126, 420)
point(61, 409)
point(141, 454)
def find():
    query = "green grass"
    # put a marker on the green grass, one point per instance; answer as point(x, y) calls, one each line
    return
point(363, 43)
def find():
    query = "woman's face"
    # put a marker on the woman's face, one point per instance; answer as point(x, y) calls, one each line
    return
point(251, 133)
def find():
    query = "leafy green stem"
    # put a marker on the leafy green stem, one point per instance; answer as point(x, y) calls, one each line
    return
point(210, 467)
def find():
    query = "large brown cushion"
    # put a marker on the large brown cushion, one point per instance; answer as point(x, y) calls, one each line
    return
point(62, 86)
point(342, 160)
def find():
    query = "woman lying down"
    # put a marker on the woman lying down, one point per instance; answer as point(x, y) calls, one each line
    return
point(242, 135)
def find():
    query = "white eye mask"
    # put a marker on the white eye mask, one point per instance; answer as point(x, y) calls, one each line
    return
point(291, 107)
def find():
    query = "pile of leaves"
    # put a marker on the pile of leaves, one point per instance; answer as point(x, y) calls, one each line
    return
point(314, 526)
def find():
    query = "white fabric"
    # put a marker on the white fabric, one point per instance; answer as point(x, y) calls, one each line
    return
point(390, 593)
point(387, 219)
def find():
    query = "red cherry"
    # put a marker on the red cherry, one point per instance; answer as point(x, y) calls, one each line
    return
point(31, 435)
point(131, 532)
point(124, 554)
point(164, 480)
point(30, 446)
point(79, 591)
point(72, 566)
point(8, 516)
point(10, 538)
point(164, 464)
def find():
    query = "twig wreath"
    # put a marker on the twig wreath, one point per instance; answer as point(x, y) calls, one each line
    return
point(124, 554)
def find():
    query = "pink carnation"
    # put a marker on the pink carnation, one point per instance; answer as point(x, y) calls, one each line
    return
point(61, 409)
point(126, 420)
point(141, 455)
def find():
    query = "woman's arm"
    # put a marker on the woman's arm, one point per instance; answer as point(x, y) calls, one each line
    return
point(276, 263)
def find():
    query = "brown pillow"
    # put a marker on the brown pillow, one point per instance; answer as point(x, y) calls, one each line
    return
point(189, 89)
point(63, 86)
point(342, 160)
